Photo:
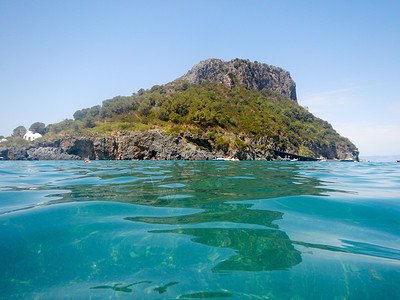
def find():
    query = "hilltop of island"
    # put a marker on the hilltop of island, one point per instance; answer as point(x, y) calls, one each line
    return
point(245, 109)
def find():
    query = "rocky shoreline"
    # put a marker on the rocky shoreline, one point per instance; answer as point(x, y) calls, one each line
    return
point(154, 145)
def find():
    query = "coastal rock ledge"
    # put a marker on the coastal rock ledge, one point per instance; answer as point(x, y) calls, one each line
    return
point(159, 145)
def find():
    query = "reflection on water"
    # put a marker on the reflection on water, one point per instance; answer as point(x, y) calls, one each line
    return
point(119, 287)
point(162, 230)
point(255, 249)
point(206, 295)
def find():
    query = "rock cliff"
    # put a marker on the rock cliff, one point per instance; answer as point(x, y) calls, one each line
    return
point(253, 75)
point(159, 145)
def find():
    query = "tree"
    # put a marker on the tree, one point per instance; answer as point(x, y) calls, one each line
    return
point(89, 122)
point(145, 107)
point(19, 131)
point(80, 114)
point(92, 112)
point(38, 127)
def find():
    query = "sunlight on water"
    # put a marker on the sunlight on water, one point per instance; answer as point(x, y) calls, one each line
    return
point(199, 230)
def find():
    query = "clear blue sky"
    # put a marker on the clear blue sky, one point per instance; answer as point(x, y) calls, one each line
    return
point(60, 56)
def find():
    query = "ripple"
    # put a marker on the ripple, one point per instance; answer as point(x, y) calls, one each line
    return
point(169, 197)
point(172, 185)
point(371, 250)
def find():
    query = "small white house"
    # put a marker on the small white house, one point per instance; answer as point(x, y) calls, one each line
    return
point(30, 136)
point(3, 140)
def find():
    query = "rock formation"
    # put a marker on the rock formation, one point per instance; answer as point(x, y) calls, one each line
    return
point(189, 146)
point(253, 75)
point(157, 145)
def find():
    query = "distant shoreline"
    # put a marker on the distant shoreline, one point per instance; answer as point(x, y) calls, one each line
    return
point(381, 158)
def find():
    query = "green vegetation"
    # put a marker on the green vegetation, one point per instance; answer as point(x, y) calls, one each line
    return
point(15, 142)
point(19, 132)
point(38, 127)
point(210, 108)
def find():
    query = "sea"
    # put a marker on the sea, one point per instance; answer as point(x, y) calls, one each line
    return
point(199, 230)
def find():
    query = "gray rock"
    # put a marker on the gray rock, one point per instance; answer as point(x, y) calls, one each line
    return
point(13, 153)
point(148, 145)
point(159, 145)
point(253, 75)
point(50, 153)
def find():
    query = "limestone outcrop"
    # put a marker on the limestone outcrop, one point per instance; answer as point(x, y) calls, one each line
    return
point(253, 75)
point(160, 145)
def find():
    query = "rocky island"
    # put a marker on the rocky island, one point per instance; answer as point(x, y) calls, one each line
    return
point(241, 108)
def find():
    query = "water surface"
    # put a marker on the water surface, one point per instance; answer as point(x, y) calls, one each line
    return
point(199, 230)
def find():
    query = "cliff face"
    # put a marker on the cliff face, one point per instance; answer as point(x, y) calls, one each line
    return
point(158, 145)
point(253, 75)
point(148, 145)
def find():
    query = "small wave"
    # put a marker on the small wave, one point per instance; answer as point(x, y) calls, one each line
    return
point(371, 250)
point(172, 185)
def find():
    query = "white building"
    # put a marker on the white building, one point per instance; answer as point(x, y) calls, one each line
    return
point(30, 136)
point(3, 140)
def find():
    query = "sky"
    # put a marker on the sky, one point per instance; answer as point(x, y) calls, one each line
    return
point(57, 57)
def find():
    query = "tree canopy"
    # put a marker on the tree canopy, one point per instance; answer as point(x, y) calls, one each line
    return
point(38, 127)
point(19, 131)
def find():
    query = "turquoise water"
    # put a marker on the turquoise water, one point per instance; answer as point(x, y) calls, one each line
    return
point(199, 230)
